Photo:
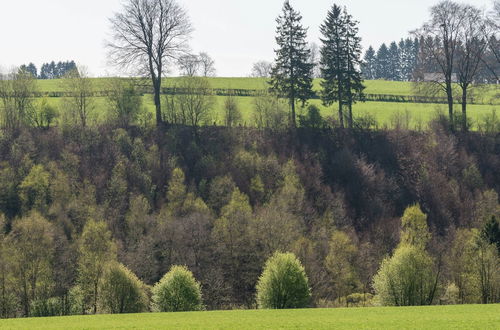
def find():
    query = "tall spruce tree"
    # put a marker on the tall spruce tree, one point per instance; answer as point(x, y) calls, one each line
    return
point(394, 62)
point(333, 60)
point(354, 79)
point(382, 69)
point(369, 63)
point(291, 75)
point(341, 62)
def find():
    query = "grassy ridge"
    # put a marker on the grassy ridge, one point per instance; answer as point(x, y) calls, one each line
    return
point(487, 93)
point(384, 112)
point(431, 317)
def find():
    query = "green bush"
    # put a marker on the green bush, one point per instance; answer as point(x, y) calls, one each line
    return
point(407, 278)
point(46, 307)
point(177, 291)
point(283, 283)
point(122, 291)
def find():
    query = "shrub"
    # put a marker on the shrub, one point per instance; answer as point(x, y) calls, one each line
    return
point(122, 291)
point(46, 307)
point(406, 279)
point(177, 291)
point(283, 283)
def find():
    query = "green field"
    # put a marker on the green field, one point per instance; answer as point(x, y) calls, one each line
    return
point(434, 317)
point(385, 113)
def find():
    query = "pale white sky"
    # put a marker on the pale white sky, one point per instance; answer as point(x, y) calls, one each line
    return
point(236, 33)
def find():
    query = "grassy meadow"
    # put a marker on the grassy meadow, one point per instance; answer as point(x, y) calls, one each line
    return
point(430, 317)
point(387, 114)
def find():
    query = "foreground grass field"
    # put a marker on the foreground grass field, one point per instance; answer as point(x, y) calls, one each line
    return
point(433, 317)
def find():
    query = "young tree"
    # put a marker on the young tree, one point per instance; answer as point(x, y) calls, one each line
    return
point(232, 113)
point(291, 75)
point(96, 251)
point(32, 242)
point(147, 34)
point(80, 92)
point(340, 263)
point(125, 102)
point(414, 227)
point(407, 278)
point(177, 291)
point(195, 102)
point(122, 291)
point(283, 283)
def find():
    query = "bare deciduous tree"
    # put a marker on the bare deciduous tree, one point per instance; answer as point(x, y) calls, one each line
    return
point(471, 50)
point(80, 91)
point(439, 42)
point(207, 65)
point(146, 35)
point(189, 65)
point(261, 69)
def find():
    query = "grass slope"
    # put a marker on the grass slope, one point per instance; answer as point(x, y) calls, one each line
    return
point(433, 317)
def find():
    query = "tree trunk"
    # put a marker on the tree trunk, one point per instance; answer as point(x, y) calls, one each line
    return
point(449, 94)
point(157, 100)
point(464, 108)
point(341, 113)
point(292, 101)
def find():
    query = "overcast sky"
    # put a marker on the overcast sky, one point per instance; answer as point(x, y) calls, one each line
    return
point(236, 33)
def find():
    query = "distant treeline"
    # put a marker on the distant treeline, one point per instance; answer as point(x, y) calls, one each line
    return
point(50, 70)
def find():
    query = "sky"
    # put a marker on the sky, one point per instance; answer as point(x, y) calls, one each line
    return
point(236, 33)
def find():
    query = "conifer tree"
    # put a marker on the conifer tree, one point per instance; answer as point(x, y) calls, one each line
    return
point(354, 80)
point(341, 61)
point(291, 75)
point(382, 70)
point(394, 62)
point(369, 63)
point(333, 60)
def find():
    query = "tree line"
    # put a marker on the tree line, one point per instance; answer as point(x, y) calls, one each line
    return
point(50, 70)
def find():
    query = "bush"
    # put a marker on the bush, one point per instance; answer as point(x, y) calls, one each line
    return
point(177, 291)
point(46, 307)
point(283, 283)
point(122, 291)
point(406, 279)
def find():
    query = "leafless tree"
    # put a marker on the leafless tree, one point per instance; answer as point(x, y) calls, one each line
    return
point(207, 65)
point(80, 91)
point(189, 65)
point(261, 69)
point(17, 95)
point(439, 43)
point(146, 35)
point(194, 101)
point(471, 50)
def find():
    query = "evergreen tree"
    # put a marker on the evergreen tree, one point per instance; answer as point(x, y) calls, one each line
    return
point(291, 76)
point(341, 61)
point(354, 80)
point(333, 60)
point(369, 64)
point(394, 62)
point(383, 64)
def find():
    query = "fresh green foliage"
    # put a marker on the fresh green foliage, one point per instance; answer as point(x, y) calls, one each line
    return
point(283, 283)
point(407, 278)
point(177, 291)
point(414, 227)
point(122, 291)
point(429, 317)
